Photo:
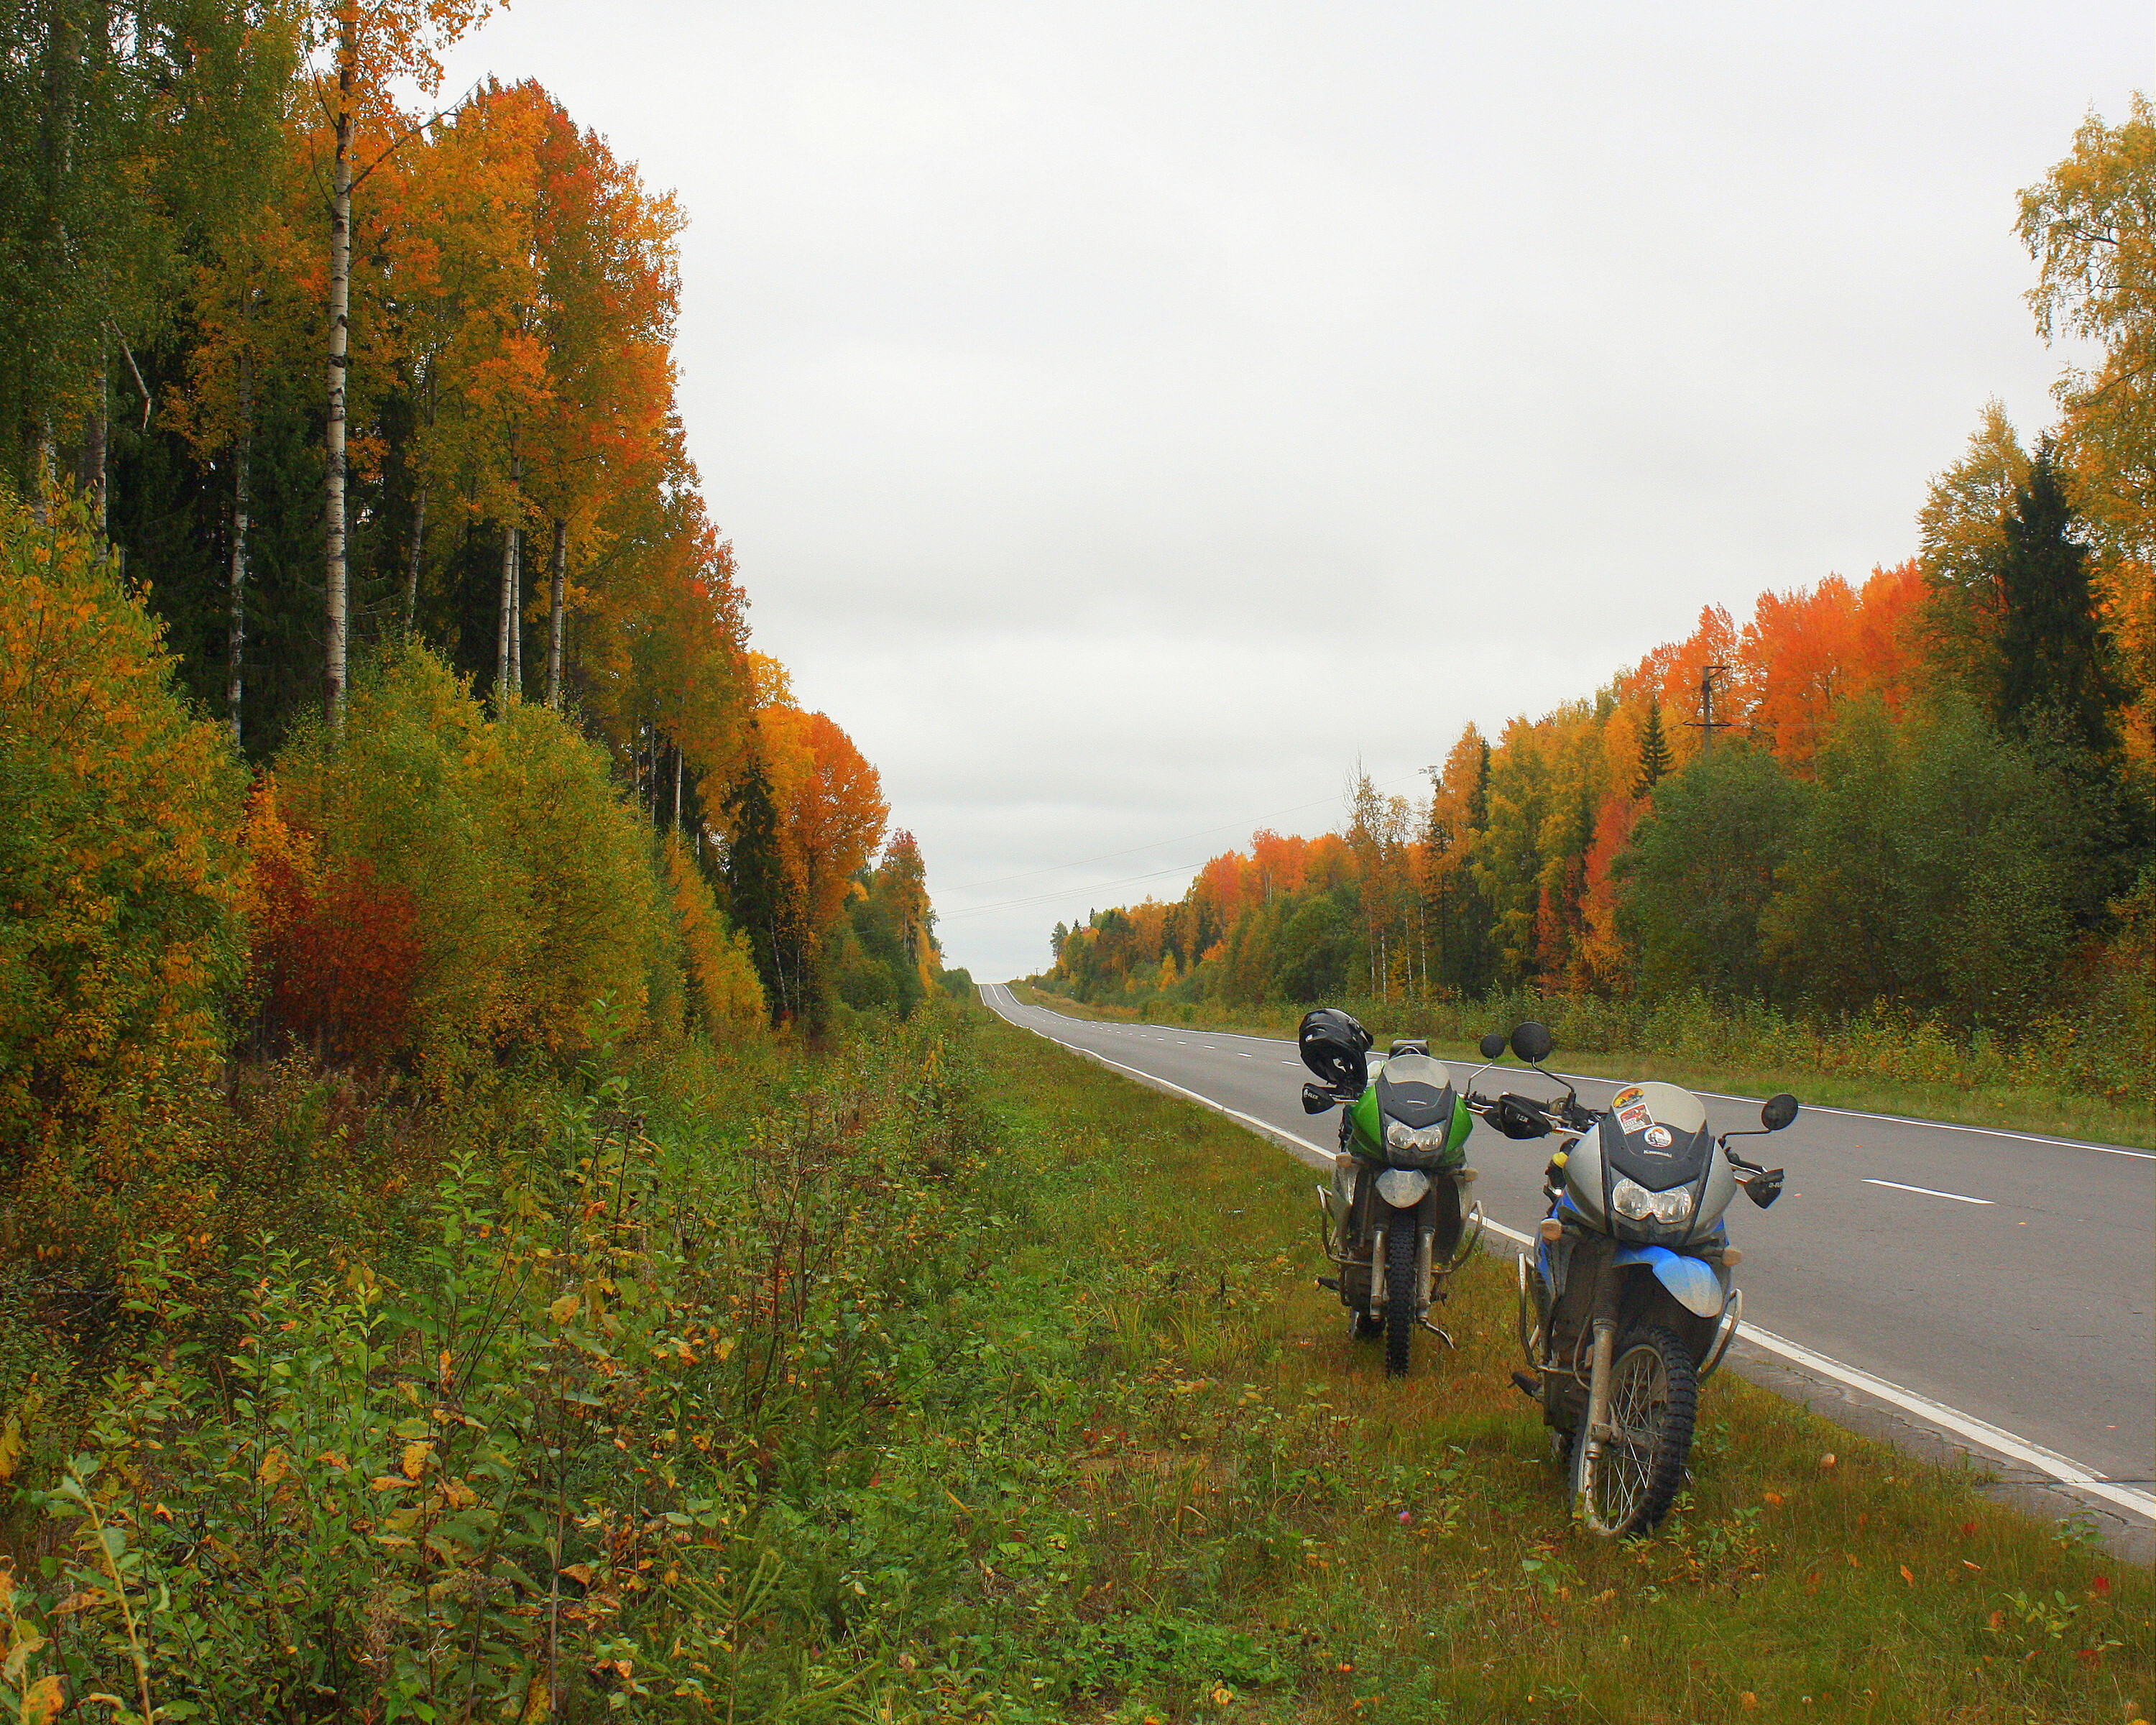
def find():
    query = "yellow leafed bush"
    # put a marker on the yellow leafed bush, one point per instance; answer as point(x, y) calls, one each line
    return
point(722, 973)
point(531, 880)
point(119, 874)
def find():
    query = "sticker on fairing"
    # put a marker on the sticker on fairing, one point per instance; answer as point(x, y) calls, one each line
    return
point(1659, 1136)
point(1630, 1107)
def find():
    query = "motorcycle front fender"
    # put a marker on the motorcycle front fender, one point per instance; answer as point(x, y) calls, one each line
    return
point(1691, 1284)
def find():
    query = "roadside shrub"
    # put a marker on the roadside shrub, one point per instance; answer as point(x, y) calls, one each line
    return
point(726, 996)
point(119, 925)
point(334, 951)
point(529, 881)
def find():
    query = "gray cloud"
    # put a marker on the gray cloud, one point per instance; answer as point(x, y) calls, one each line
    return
point(1128, 417)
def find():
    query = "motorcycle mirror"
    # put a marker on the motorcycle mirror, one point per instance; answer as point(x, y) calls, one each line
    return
point(1778, 1111)
point(1533, 1042)
point(1316, 1099)
point(1493, 1046)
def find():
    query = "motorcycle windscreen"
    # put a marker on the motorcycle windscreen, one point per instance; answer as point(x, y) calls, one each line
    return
point(1415, 1091)
point(1656, 1134)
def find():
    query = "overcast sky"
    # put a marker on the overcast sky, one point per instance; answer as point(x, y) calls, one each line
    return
point(1131, 417)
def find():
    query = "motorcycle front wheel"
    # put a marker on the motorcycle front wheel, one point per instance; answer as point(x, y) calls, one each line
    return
point(1403, 1240)
point(1653, 1396)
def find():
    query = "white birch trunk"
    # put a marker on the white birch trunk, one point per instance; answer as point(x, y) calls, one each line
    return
point(333, 465)
point(412, 562)
point(557, 590)
point(507, 661)
point(516, 614)
point(235, 642)
point(505, 613)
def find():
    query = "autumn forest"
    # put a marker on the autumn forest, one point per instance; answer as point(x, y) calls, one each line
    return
point(505, 1212)
point(1922, 798)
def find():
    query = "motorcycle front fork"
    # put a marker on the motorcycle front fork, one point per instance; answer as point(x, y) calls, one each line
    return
point(1535, 1337)
point(1597, 1416)
point(1331, 1226)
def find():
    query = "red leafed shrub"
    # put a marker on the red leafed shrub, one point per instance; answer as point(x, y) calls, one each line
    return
point(336, 948)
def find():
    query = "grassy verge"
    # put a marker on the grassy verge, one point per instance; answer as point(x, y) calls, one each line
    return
point(2030, 1108)
point(1402, 1552)
point(953, 1378)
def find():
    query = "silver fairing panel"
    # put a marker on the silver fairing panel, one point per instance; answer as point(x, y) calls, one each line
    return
point(1583, 1179)
point(1586, 1174)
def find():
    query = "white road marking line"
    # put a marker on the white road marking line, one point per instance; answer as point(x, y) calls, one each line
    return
point(1944, 1126)
point(1929, 1192)
point(1981, 1433)
point(1977, 1431)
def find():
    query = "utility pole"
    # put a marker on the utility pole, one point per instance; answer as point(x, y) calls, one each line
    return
point(1706, 724)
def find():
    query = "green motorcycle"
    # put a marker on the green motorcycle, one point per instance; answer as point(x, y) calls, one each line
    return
point(1393, 1219)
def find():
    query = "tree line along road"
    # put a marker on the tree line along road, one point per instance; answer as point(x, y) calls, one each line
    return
point(1994, 1291)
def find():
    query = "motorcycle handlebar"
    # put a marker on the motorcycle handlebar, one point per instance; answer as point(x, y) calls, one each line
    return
point(1519, 1117)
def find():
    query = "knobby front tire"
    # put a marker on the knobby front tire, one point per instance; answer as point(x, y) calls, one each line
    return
point(1403, 1240)
point(1654, 1399)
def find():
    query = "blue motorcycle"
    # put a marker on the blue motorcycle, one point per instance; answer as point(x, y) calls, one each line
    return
point(1626, 1305)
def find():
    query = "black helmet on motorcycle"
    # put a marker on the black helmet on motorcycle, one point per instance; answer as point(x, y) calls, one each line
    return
point(1332, 1045)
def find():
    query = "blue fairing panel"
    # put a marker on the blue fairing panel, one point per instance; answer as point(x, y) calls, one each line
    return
point(1693, 1284)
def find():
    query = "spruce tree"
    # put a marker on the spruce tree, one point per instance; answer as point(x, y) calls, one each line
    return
point(2051, 673)
point(1654, 752)
point(760, 895)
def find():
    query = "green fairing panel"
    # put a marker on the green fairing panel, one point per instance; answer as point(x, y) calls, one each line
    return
point(1369, 1132)
point(1369, 1141)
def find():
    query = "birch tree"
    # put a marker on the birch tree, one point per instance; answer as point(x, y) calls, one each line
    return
point(360, 51)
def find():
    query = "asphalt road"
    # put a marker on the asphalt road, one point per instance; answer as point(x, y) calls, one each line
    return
point(2008, 1278)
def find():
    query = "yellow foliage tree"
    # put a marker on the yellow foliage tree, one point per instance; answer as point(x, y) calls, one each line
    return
point(532, 879)
point(119, 922)
point(723, 985)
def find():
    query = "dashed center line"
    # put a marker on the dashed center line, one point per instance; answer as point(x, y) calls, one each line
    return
point(1929, 1192)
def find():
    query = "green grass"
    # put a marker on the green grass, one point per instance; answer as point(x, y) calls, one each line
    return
point(2030, 1108)
point(1402, 1551)
point(942, 1377)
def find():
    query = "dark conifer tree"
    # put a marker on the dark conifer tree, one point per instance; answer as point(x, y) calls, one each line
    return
point(2051, 676)
point(758, 894)
point(1654, 752)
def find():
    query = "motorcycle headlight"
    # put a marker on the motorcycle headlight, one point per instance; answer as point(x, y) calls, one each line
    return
point(1400, 1135)
point(1634, 1201)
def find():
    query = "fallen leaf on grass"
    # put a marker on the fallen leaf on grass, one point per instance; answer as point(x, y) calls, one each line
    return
point(1772, 1497)
point(1748, 1701)
point(1907, 1576)
point(1827, 1460)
